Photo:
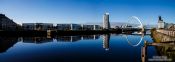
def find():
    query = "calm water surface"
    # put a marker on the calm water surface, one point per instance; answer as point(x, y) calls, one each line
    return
point(87, 48)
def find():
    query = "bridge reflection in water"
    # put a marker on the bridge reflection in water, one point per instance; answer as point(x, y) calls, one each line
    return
point(164, 45)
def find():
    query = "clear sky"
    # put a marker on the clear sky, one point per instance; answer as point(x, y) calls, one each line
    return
point(82, 11)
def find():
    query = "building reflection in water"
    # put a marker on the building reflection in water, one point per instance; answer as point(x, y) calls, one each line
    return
point(7, 42)
point(36, 40)
point(58, 38)
point(90, 37)
point(68, 38)
point(106, 39)
point(76, 38)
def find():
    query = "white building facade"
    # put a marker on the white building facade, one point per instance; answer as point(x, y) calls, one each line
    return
point(37, 26)
point(161, 24)
point(90, 27)
point(68, 27)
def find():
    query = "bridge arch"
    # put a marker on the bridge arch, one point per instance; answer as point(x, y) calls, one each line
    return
point(142, 31)
point(137, 44)
point(137, 19)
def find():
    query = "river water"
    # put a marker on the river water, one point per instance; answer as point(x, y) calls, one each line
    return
point(80, 48)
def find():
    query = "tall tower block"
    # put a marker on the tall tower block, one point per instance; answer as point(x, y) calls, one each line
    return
point(106, 23)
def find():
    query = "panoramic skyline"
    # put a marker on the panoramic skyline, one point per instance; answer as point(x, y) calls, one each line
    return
point(85, 11)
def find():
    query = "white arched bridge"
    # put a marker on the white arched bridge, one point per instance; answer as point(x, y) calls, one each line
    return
point(138, 25)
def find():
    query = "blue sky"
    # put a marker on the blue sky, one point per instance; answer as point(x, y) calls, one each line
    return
point(83, 11)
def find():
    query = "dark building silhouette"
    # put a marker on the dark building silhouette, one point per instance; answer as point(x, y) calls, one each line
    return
point(7, 24)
